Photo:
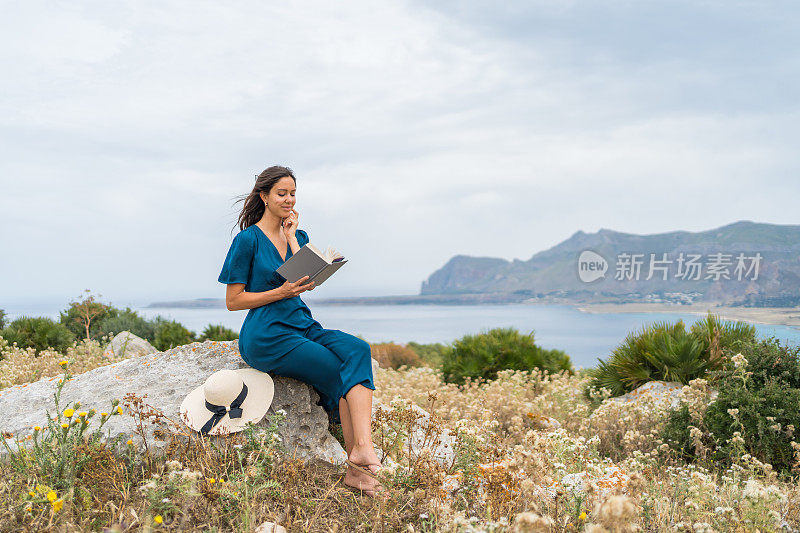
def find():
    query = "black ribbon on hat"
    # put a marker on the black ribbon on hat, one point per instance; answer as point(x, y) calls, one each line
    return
point(220, 410)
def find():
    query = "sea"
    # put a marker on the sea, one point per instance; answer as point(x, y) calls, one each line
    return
point(586, 337)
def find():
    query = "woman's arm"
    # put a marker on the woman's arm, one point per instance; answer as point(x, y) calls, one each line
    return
point(236, 299)
point(289, 225)
point(293, 244)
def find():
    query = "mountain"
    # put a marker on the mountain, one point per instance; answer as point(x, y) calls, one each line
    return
point(768, 256)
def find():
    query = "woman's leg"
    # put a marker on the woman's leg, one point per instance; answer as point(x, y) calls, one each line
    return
point(359, 401)
point(347, 425)
point(315, 364)
point(356, 403)
point(357, 387)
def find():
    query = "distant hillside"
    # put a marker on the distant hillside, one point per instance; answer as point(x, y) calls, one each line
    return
point(553, 274)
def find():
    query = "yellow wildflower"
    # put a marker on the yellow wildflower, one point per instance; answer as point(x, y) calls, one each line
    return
point(582, 516)
point(64, 425)
point(103, 414)
point(130, 442)
point(69, 412)
point(51, 496)
point(33, 494)
point(211, 480)
point(28, 509)
point(119, 409)
point(158, 519)
point(222, 480)
point(37, 428)
point(58, 504)
point(82, 413)
point(63, 363)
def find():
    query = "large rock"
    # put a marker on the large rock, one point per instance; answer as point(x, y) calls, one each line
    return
point(661, 393)
point(166, 378)
point(126, 344)
point(658, 391)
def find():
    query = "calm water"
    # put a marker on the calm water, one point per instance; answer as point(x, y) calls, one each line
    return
point(584, 336)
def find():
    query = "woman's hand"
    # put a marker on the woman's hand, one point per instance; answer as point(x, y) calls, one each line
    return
point(291, 290)
point(290, 224)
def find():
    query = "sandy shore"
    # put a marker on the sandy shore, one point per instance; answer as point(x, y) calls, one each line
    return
point(787, 316)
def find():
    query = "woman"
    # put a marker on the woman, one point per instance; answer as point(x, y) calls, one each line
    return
point(280, 336)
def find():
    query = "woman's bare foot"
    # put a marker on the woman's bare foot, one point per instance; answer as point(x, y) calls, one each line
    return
point(359, 480)
point(363, 455)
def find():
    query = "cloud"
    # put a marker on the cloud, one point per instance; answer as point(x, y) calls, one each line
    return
point(417, 133)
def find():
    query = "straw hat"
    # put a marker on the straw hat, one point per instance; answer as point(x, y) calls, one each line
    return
point(228, 400)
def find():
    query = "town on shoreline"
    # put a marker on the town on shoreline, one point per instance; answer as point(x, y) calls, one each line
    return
point(785, 316)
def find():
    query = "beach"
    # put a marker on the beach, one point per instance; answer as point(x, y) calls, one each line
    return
point(786, 316)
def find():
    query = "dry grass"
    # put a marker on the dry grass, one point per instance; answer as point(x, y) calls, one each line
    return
point(515, 469)
point(24, 365)
point(392, 355)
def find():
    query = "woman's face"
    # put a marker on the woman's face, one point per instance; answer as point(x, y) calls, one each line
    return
point(281, 198)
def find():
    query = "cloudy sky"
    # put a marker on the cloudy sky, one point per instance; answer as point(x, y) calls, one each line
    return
point(417, 130)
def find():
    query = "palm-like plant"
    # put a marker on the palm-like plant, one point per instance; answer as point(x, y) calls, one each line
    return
point(668, 352)
point(675, 354)
point(731, 336)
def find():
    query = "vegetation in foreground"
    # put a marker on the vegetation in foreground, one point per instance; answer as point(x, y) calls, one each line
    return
point(532, 450)
point(530, 453)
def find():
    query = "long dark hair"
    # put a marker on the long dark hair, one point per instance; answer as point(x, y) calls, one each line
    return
point(253, 208)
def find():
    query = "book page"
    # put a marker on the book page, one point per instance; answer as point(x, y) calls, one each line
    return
point(329, 255)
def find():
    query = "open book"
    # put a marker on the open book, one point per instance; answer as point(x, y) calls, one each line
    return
point(310, 261)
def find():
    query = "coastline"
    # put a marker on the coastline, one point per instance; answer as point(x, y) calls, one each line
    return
point(781, 316)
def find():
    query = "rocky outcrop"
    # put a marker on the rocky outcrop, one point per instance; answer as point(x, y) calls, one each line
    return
point(164, 379)
point(658, 391)
point(662, 393)
point(126, 344)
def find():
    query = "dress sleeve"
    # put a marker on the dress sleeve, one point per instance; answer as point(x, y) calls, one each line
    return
point(302, 237)
point(236, 268)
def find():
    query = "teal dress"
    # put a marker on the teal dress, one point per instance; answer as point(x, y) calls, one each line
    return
point(282, 337)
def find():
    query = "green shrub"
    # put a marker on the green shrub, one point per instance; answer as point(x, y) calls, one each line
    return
point(127, 320)
point(484, 354)
point(676, 432)
point(759, 399)
point(667, 352)
point(218, 333)
point(431, 354)
point(170, 333)
point(39, 333)
point(2, 319)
